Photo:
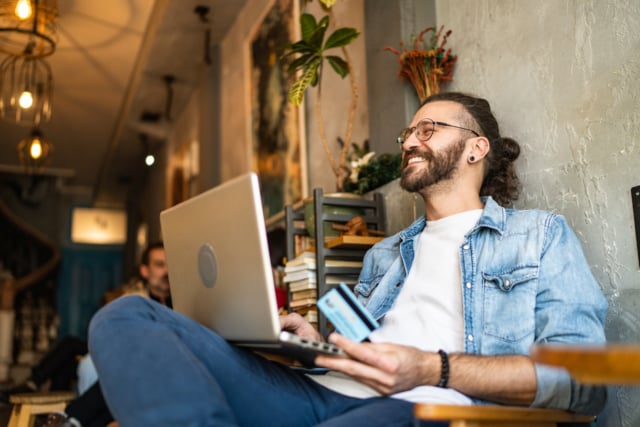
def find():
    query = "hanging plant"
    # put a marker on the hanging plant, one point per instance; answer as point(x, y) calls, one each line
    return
point(427, 65)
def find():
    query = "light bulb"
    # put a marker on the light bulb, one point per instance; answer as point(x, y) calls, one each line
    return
point(35, 150)
point(26, 100)
point(23, 9)
point(149, 160)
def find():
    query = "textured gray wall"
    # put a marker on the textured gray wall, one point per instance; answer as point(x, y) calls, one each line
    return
point(563, 77)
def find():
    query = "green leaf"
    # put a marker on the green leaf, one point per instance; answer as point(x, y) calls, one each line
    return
point(297, 90)
point(308, 26)
point(339, 65)
point(300, 62)
point(324, 22)
point(341, 37)
point(298, 47)
point(317, 38)
point(327, 3)
point(315, 80)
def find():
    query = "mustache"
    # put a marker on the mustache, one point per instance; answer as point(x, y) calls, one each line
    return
point(426, 153)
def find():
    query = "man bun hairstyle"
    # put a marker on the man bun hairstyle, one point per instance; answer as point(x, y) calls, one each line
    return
point(501, 181)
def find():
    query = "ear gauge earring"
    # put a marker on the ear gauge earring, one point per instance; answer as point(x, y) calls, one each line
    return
point(472, 159)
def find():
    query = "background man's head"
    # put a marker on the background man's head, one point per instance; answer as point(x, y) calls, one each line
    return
point(153, 269)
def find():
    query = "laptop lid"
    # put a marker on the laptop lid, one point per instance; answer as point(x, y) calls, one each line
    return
point(218, 259)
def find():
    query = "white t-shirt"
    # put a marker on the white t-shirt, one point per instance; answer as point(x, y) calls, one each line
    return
point(428, 311)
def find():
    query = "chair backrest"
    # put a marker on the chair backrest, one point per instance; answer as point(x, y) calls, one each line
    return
point(317, 216)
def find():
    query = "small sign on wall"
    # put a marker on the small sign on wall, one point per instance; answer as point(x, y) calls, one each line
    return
point(635, 202)
point(98, 226)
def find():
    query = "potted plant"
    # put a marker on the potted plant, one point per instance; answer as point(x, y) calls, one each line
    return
point(309, 57)
point(370, 171)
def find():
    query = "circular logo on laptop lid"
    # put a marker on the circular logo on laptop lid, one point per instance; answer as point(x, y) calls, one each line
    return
point(207, 265)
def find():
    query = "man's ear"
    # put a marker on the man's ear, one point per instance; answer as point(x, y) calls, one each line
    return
point(480, 147)
point(144, 271)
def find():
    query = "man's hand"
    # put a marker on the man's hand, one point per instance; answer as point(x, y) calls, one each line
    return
point(392, 368)
point(387, 368)
point(296, 324)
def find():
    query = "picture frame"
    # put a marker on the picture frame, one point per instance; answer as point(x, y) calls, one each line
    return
point(278, 137)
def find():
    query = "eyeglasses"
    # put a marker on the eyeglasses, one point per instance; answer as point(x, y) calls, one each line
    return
point(424, 129)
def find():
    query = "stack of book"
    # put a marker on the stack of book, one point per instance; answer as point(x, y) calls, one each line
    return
point(301, 281)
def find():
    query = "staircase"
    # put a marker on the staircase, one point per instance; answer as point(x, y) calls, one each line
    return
point(28, 262)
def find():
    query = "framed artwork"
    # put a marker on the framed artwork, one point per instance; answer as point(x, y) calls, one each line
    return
point(277, 126)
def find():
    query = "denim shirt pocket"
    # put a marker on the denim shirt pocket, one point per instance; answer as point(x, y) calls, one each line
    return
point(364, 289)
point(509, 306)
point(379, 291)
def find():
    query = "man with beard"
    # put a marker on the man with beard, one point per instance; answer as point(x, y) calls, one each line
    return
point(154, 274)
point(461, 295)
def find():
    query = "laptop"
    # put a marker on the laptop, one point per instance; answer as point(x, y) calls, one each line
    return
point(220, 270)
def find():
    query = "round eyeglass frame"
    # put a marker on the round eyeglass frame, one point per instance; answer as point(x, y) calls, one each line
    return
point(424, 130)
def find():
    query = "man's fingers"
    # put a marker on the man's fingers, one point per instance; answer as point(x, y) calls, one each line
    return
point(370, 354)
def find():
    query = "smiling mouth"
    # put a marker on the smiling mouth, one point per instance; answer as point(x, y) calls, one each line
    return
point(416, 159)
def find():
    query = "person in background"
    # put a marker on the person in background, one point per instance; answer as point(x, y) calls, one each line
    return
point(89, 409)
point(461, 294)
point(57, 368)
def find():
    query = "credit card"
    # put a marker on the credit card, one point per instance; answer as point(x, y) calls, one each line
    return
point(347, 314)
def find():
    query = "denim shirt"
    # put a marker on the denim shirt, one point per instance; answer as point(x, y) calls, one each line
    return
point(525, 281)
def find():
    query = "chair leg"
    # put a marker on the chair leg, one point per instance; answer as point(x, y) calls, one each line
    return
point(23, 414)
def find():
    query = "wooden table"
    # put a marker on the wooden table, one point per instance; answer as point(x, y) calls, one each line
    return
point(604, 364)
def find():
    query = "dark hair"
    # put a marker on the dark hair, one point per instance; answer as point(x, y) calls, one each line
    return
point(501, 181)
point(152, 246)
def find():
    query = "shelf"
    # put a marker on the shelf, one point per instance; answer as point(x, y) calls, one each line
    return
point(352, 242)
point(331, 250)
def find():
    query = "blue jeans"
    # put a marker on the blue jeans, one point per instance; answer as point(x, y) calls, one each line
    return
point(160, 368)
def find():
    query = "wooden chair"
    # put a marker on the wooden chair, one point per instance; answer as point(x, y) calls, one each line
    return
point(27, 405)
point(493, 416)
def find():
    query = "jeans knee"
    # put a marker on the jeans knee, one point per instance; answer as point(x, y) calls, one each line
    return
point(109, 319)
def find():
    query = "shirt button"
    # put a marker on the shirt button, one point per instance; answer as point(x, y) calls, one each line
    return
point(470, 337)
point(465, 247)
point(468, 285)
point(507, 283)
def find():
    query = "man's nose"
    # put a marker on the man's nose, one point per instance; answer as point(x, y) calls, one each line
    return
point(411, 142)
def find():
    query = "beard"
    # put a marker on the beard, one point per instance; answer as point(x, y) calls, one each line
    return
point(160, 285)
point(441, 167)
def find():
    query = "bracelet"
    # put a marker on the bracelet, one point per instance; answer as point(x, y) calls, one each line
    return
point(444, 372)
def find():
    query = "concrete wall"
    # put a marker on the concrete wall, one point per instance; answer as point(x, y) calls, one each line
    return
point(392, 102)
point(563, 77)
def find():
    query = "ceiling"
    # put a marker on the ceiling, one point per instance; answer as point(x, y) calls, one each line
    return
point(109, 70)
